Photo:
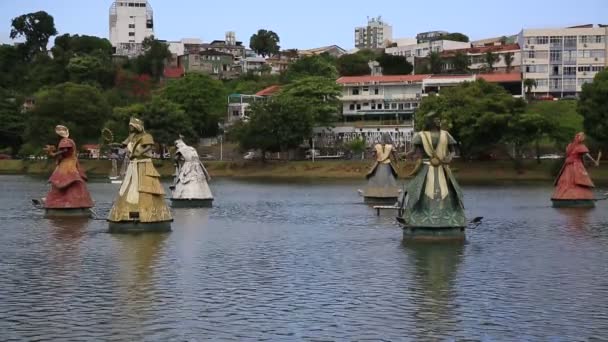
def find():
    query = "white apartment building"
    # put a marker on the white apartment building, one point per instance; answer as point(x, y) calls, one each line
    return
point(131, 21)
point(421, 50)
point(477, 58)
point(375, 35)
point(562, 60)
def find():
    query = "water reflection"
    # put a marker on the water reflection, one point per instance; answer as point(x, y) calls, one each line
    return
point(435, 267)
point(68, 228)
point(577, 218)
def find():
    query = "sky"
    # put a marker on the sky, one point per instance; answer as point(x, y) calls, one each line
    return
point(304, 24)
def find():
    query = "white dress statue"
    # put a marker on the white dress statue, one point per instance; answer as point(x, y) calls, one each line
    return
point(190, 188)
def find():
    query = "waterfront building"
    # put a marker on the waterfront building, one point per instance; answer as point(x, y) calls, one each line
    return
point(131, 21)
point(561, 60)
point(238, 103)
point(375, 35)
point(477, 58)
point(211, 62)
point(422, 50)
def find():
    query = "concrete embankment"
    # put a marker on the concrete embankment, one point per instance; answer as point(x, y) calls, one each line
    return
point(466, 172)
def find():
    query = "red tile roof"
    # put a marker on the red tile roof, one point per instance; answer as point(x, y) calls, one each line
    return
point(501, 77)
point(450, 76)
point(381, 79)
point(269, 91)
point(173, 72)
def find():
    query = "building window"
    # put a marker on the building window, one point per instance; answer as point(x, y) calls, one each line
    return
point(555, 40)
point(131, 25)
point(352, 106)
point(374, 106)
point(584, 53)
point(600, 39)
point(376, 91)
point(365, 89)
point(543, 82)
point(555, 55)
point(584, 68)
point(569, 70)
point(131, 34)
point(236, 113)
point(401, 106)
point(379, 105)
point(598, 53)
point(358, 106)
point(555, 71)
point(393, 106)
point(570, 41)
point(584, 39)
point(365, 104)
point(597, 68)
point(355, 91)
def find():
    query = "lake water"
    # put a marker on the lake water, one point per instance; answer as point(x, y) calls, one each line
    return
point(303, 261)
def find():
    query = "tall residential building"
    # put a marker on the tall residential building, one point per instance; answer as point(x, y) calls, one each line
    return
point(421, 50)
point(562, 60)
point(375, 35)
point(131, 21)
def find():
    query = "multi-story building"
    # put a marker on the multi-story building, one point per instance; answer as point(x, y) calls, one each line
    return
point(375, 35)
point(253, 64)
point(562, 60)
point(238, 103)
point(211, 62)
point(477, 58)
point(425, 37)
point(131, 21)
point(229, 45)
point(422, 50)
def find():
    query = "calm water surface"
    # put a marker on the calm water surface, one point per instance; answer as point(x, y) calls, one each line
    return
point(303, 261)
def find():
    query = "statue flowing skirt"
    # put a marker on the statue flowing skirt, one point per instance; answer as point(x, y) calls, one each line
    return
point(191, 183)
point(573, 183)
point(422, 211)
point(382, 182)
point(141, 196)
point(68, 190)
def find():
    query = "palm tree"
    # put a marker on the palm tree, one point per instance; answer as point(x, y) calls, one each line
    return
point(509, 61)
point(491, 59)
point(529, 83)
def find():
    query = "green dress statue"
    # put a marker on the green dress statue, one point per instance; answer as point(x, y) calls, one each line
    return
point(433, 199)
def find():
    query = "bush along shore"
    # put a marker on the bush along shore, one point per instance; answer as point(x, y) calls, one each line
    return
point(474, 172)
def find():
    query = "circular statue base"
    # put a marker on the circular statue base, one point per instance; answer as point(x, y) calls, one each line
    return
point(68, 212)
point(380, 200)
point(433, 234)
point(559, 203)
point(126, 227)
point(192, 203)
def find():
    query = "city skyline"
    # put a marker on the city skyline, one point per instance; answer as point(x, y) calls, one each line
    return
point(313, 24)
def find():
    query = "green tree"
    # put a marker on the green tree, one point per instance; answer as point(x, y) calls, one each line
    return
point(166, 120)
point(476, 113)
point(91, 69)
point(81, 108)
point(456, 36)
point(435, 62)
point(316, 65)
point(265, 43)
point(353, 65)
point(593, 106)
point(202, 98)
point(118, 122)
point(67, 46)
point(152, 61)
point(563, 113)
point(529, 83)
point(12, 66)
point(524, 128)
point(491, 59)
point(276, 125)
point(395, 65)
point(37, 28)
point(357, 146)
point(509, 61)
point(461, 63)
point(13, 121)
point(321, 95)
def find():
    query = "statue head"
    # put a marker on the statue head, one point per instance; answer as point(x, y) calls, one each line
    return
point(386, 139)
point(136, 125)
point(62, 131)
point(432, 120)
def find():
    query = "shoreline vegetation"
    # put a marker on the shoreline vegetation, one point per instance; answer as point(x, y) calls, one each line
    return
point(473, 172)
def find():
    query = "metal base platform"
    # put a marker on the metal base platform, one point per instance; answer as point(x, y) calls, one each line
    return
point(573, 203)
point(192, 203)
point(433, 234)
point(126, 227)
point(380, 200)
point(68, 212)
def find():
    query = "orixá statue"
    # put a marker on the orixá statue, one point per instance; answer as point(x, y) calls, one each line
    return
point(382, 177)
point(432, 204)
point(190, 188)
point(140, 205)
point(68, 195)
point(573, 187)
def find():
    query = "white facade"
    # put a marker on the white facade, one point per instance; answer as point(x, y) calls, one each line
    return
point(252, 63)
point(178, 48)
point(410, 52)
point(375, 35)
point(131, 21)
point(562, 60)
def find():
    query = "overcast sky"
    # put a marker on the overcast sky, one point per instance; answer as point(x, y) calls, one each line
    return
point(313, 23)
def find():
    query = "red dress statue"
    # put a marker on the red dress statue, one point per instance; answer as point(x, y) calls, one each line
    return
point(68, 187)
point(573, 183)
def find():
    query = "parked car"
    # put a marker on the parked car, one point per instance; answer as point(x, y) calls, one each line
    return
point(251, 155)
